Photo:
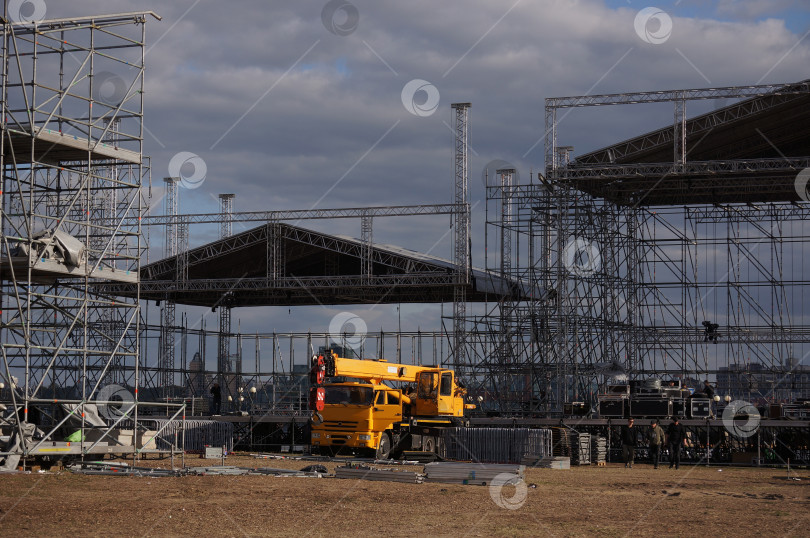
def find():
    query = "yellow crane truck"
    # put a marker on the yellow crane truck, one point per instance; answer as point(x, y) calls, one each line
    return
point(366, 416)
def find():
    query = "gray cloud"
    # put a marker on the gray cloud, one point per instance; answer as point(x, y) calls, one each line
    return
point(751, 9)
point(327, 107)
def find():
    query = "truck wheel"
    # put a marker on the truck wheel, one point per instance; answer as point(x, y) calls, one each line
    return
point(384, 448)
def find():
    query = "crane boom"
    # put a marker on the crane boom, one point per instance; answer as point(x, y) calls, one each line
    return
point(376, 371)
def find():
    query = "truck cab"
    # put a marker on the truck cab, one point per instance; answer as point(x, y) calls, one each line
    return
point(356, 416)
point(436, 395)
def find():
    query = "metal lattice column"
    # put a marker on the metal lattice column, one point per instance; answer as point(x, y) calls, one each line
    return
point(275, 251)
point(166, 363)
point(461, 243)
point(506, 177)
point(679, 134)
point(226, 213)
point(224, 369)
point(367, 238)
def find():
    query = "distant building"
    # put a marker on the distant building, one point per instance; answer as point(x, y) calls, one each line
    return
point(286, 392)
point(196, 377)
point(754, 381)
point(232, 380)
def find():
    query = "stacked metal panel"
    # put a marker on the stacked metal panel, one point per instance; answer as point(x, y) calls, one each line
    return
point(118, 469)
point(363, 472)
point(553, 462)
point(561, 442)
point(580, 448)
point(598, 449)
point(219, 470)
point(234, 471)
point(471, 473)
point(496, 445)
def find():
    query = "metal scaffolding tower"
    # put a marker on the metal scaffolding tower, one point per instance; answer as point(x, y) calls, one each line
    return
point(72, 162)
point(688, 265)
point(674, 253)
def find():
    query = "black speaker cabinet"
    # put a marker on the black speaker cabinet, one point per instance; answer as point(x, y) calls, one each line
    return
point(652, 407)
point(612, 408)
point(700, 407)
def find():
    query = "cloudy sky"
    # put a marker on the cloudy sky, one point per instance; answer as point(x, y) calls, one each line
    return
point(300, 104)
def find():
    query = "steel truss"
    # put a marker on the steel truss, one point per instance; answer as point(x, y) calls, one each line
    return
point(303, 214)
point(671, 96)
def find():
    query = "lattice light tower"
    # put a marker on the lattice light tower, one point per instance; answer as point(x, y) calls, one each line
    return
point(226, 211)
point(224, 348)
point(506, 177)
point(166, 361)
point(461, 237)
point(367, 238)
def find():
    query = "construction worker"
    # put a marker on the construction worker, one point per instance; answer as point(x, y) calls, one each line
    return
point(708, 390)
point(676, 436)
point(629, 442)
point(216, 396)
point(657, 438)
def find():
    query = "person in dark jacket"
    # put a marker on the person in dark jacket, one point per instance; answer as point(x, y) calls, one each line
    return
point(676, 437)
point(629, 443)
point(216, 395)
point(708, 390)
point(657, 437)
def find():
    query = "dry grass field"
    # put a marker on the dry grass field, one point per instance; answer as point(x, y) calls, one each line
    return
point(586, 501)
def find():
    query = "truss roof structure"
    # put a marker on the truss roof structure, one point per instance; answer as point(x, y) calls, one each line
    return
point(747, 152)
point(310, 268)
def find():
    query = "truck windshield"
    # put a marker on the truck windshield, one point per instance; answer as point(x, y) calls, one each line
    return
point(349, 395)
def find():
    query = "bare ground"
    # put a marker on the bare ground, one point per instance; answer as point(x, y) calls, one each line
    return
point(584, 501)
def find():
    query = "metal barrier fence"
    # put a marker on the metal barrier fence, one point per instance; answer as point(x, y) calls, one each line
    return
point(496, 445)
point(198, 433)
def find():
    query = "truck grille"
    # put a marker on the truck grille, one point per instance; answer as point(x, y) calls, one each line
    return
point(339, 425)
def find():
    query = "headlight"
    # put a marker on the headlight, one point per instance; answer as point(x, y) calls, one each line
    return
point(316, 435)
point(363, 437)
